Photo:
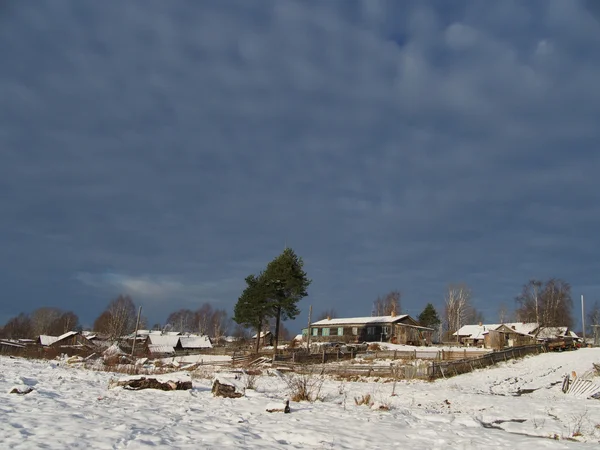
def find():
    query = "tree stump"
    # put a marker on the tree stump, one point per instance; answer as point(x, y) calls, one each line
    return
point(221, 388)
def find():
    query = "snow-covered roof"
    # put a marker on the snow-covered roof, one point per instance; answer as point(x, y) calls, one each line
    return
point(46, 340)
point(360, 320)
point(195, 342)
point(552, 332)
point(11, 343)
point(522, 328)
point(157, 339)
point(475, 331)
point(160, 349)
point(262, 334)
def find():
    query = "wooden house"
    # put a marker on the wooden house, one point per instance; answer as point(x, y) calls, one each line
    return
point(396, 329)
point(72, 342)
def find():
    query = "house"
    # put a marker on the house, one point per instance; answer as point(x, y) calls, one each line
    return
point(266, 338)
point(474, 335)
point(171, 343)
point(397, 329)
point(193, 342)
point(11, 346)
point(514, 334)
point(69, 342)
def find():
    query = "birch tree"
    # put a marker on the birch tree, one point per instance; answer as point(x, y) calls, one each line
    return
point(458, 306)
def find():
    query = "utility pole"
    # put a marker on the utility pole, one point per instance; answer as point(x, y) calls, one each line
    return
point(583, 318)
point(308, 330)
point(137, 324)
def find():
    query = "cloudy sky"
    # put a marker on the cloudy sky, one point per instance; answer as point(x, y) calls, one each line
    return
point(169, 149)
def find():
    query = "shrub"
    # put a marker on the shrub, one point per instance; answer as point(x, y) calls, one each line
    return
point(363, 400)
point(250, 378)
point(304, 387)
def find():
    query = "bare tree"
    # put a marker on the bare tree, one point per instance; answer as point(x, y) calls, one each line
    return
point(219, 324)
point(67, 321)
point(593, 318)
point(458, 306)
point(387, 305)
point(18, 328)
point(503, 313)
point(43, 318)
point(547, 303)
point(203, 319)
point(118, 319)
point(327, 314)
point(182, 320)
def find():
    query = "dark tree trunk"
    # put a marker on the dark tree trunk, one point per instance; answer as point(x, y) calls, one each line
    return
point(259, 331)
point(278, 318)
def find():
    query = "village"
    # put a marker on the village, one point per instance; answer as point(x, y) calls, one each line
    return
point(365, 339)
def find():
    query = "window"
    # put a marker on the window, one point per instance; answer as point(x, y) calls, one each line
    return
point(386, 330)
point(325, 332)
point(371, 330)
point(340, 331)
point(315, 331)
point(354, 331)
point(304, 332)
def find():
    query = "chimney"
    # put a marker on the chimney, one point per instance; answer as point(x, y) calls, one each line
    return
point(328, 317)
point(480, 324)
point(393, 312)
point(514, 327)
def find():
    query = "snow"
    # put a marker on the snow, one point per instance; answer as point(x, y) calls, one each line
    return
point(71, 407)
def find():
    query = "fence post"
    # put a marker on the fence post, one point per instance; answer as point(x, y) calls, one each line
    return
point(443, 356)
point(395, 354)
point(293, 357)
point(465, 353)
point(323, 358)
point(415, 355)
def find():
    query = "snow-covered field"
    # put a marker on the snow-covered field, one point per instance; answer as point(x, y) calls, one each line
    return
point(73, 408)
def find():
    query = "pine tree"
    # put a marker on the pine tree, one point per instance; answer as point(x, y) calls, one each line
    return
point(429, 317)
point(287, 284)
point(253, 307)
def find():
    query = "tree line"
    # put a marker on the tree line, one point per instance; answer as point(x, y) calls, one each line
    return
point(272, 296)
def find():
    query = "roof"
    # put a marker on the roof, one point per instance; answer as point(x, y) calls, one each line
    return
point(160, 349)
point(360, 320)
point(475, 331)
point(46, 340)
point(195, 342)
point(171, 341)
point(552, 332)
point(11, 343)
point(262, 334)
point(522, 327)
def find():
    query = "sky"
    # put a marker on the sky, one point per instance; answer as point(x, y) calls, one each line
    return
point(166, 150)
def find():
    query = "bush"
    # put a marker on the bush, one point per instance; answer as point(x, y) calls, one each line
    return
point(250, 378)
point(304, 387)
point(363, 400)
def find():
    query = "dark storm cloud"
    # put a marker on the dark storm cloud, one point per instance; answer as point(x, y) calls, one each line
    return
point(168, 149)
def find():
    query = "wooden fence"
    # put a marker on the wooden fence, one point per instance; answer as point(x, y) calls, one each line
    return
point(444, 369)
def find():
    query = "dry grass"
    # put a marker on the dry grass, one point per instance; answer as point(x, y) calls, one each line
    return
point(304, 387)
point(250, 378)
point(363, 400)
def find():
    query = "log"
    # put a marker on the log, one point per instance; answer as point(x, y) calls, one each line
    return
point(221, 388)
point(23, 391)
point(277, 407)
point(152, 383)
